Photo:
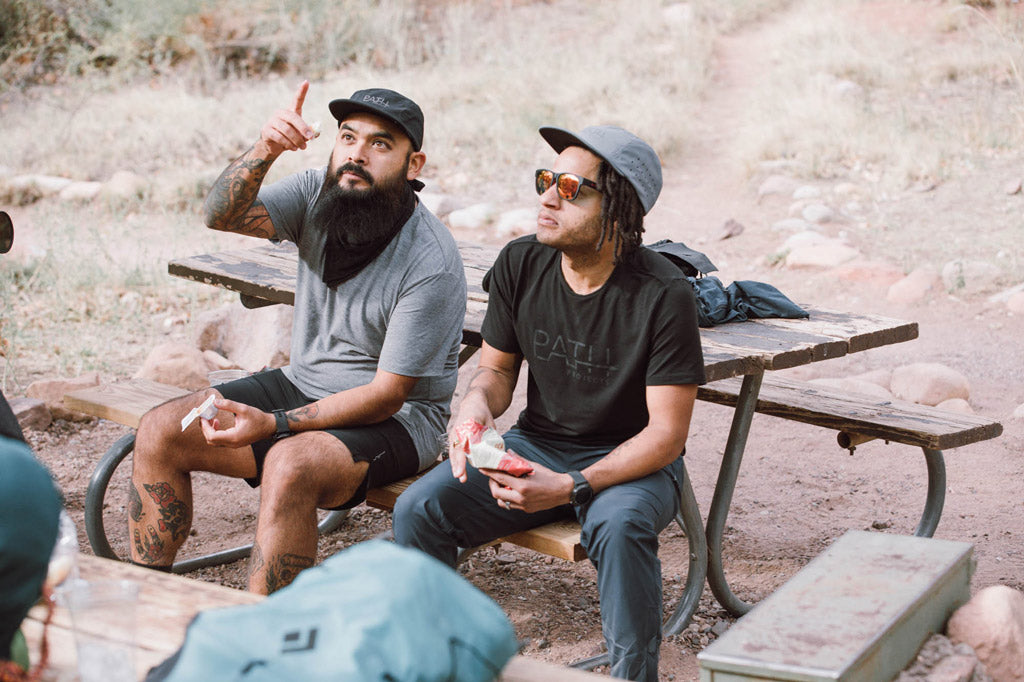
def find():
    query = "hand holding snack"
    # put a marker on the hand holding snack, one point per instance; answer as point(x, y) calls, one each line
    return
point(485, 449)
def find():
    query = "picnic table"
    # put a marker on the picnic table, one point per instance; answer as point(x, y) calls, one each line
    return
point(265, 275)
point(167, 604)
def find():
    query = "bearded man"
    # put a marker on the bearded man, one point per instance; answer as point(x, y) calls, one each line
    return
point(379, 305)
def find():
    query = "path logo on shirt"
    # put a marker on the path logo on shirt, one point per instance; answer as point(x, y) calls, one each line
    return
point(582, 361)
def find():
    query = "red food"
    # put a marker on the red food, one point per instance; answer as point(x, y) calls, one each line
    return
point(513, 464)
point(467, 433)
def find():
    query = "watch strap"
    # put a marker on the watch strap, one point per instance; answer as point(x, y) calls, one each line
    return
point(580, 485)
point(281, 428)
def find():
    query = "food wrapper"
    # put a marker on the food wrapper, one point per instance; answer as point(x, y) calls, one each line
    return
point(485, 449)
point(207, 411)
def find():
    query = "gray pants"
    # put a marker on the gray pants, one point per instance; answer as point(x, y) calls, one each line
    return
point(620, 529)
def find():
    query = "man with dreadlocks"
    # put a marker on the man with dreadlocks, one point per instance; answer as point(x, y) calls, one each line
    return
point(609, 332)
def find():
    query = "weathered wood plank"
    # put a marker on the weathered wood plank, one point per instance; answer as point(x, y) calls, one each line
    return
point(124, 402)
point(168, 603)
point(860, 331)
point(560, 539)
point(891, 420)
point(268, 271)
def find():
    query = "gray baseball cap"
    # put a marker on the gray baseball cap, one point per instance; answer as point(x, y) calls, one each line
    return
point(630, 156)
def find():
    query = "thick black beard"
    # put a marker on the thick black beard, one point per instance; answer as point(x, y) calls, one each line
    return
point(355, 217)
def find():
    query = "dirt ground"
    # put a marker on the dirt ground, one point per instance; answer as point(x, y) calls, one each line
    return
point(797, 491)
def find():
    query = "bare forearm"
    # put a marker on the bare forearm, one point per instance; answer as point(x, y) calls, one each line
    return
point(489, 389)
point(354, 407)
point(231, 205)
point(641, 455)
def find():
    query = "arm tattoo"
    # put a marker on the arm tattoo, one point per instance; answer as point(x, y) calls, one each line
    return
point(283, 569)
point(301, 414)
point(232, 206)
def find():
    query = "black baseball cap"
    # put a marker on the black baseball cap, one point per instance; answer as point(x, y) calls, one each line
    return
point(389, 104)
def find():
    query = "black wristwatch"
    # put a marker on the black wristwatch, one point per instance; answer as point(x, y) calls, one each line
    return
point(281, 423)
point(581, 490)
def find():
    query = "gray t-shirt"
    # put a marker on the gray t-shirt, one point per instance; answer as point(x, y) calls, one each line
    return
point(403, 312)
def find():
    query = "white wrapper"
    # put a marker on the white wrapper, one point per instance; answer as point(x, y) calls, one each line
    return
point(488, 452)
point(207, 411)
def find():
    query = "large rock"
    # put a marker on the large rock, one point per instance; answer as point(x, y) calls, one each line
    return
point(124, 185)
point(829, 253)
point(928, 383)
point(878, 273)
point(178, 364)
point(472, 217)
point(31, 413)
point(777, 184)
point(915, 286)
point(956, 405)
point(81, 191)
point(51, 391)
point(992, 623)
point(250, 339)
point(516, 222)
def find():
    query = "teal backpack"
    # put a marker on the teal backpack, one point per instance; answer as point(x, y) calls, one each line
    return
point(373, 612)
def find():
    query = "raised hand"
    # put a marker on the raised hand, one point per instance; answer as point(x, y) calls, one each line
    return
point(286, 130)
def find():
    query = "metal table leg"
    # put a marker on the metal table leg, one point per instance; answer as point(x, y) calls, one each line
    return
point(97, 535)
point(724, 488)
point(936, 493)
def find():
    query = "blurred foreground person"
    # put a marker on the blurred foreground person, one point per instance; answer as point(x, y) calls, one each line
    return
point(29, 512)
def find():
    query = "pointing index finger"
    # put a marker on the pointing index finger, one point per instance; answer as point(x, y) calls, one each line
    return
point(300, 97)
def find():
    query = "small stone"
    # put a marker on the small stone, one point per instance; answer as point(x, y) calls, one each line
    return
point(817, 213)
point(792, 225)
point(543, 643)
point(1013, 186)
point(472, 217)
point(505, 559)
point(1018, 413)
point(730, 228)
point(776, 184)
point(806, 192)
point(720, 627)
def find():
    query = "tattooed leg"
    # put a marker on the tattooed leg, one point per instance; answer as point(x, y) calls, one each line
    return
point(158, 522)
point(276, 571)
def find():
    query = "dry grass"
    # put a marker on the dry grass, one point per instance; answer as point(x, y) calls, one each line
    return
point(895, 104)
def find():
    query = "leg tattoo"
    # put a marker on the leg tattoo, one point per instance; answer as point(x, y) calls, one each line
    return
point(134, 504)
point(173, 512)
point(149, 548)
point(283, 568)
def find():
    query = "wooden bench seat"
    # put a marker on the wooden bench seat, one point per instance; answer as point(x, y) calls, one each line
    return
point(560, 539)
point(125, 403)
point(860, 418)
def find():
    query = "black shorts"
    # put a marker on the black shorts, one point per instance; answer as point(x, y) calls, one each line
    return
point(387, 446)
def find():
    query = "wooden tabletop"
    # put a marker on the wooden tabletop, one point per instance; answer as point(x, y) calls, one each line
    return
point(267, 273)
point(167, 605)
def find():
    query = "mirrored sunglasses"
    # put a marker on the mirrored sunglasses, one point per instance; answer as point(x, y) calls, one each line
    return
point(568, 184)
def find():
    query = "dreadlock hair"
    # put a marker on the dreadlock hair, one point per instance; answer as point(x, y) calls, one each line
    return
point(622, 214)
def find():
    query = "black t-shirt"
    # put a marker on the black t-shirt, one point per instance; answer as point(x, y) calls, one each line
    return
point(591, 357)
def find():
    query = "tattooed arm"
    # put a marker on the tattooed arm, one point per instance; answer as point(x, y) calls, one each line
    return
point(231, 205)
